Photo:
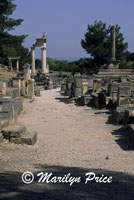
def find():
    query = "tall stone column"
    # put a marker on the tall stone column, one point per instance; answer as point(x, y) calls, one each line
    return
point(17, 65)
point(33, 60)
point(44, 67)
point(10, 64)
point(112, 52)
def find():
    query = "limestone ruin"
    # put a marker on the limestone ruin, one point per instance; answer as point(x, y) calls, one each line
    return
point(111, 88)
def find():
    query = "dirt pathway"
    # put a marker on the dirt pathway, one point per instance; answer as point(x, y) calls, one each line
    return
point(69, 137)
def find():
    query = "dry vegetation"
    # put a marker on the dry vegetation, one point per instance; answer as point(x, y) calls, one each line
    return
point(4, 75)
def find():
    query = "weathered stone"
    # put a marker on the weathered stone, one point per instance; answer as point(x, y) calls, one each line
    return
point(84, 87)
point(63, 88)
point(30, 88)
point(77, 82)
point(16, 83)
point(97, 85)
point(13, 92)
point(10, 108)
point(113, 88)
point(22, 87)
point(14, 132)
point(29, 139)
point(122, 101)
point(124, 91)
point(77, 92)
point(37, 92)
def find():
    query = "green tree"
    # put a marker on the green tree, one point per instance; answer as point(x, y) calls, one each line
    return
point(10, 45)
point(38, 63)
point(51, 63)
point(97, 42)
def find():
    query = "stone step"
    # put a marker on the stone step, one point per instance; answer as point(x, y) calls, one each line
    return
point(30, 139)
point(16, 131)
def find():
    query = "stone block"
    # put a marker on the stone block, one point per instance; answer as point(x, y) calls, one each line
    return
point(29, 139)
point(22, 87)
point(113, 88)
point(84, 87)
point(123, 101)
point(97, 85)
point(13, 92)
point(10, 108)
point(14, 132)
point(30, 88)
point(16, 83)
point(124, 91)
point(77, 82)
point(77, 92)
point(63, 88)
point(37, 92)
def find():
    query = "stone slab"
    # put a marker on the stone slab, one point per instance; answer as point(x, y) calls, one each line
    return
point(14, 132)
point(29, 139)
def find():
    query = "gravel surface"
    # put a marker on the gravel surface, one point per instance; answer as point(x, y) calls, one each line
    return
point(71, 139)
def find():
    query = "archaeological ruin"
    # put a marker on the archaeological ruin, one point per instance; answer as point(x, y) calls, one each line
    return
point(110, 88)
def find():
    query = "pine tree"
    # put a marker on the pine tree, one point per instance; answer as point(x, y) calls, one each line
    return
point(97, 42)
point(10, 45)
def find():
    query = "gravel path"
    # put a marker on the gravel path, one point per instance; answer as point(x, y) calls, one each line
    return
point(71, 139)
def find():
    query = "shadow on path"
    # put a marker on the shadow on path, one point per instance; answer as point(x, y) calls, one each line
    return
point(122, 139)
point(11, 186)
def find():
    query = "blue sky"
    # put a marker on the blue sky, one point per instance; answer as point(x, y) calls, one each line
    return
point(65, 22)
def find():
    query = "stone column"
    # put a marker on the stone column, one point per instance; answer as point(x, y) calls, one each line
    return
point(17, 65)
point(112, 52)
point(10, 64)
point(44, 68)
point(33, 60)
